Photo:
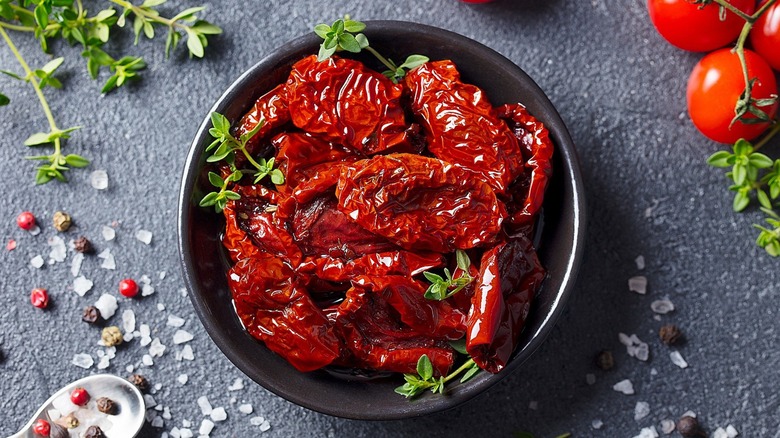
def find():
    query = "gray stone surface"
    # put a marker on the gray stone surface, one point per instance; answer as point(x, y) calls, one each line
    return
point(621, 90)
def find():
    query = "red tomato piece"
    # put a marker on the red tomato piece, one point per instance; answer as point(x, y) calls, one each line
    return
point(714, 88)
point(698, 29)
point(272, 109)
point(765, 36)
point(377, 264)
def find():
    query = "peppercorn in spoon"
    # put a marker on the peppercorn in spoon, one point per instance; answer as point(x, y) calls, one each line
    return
point(96, 406)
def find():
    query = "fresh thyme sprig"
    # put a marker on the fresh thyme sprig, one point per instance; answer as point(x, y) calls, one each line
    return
point(225, 146)
point(416, 384)
point(444, 287)
point(345, 35)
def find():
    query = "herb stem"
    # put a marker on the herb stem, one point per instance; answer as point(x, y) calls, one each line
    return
point(141, 12)
point(466, 365)
point(16, 27)
point(382, 59)
point(769, 135)
point(735, 10)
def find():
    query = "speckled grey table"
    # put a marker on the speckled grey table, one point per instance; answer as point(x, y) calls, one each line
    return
point(620, 89)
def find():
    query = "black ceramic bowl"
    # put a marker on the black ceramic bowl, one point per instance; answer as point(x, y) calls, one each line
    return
point(560, 248)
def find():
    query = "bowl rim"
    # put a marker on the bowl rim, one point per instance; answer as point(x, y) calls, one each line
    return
point(572, 179)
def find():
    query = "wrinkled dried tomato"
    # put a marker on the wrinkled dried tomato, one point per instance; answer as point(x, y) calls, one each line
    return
point(271, 109)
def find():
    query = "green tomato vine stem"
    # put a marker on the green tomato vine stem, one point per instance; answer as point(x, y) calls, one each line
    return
point(38, 92)
point(768, 136)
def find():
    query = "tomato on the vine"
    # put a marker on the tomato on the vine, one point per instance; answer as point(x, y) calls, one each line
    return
point(765, 36)
point(715, 86)
point(695, 28)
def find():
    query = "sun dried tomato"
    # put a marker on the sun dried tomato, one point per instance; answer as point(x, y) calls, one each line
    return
point(344, 102)
point(276, 309)
point(537, 148)
point(272, 109)
point(461, 125)
point(376, 265)
point(420, 203)
point(509, 276)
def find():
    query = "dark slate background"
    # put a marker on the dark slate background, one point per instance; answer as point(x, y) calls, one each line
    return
point(620, 89)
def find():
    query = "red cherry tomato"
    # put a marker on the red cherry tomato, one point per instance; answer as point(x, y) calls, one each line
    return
point(689, 27)
point(714, 88)
point(765, 36)
point(128, 288)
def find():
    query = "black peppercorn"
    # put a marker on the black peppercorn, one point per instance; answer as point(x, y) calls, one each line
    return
point(94, 432)
point(91, 315)
point(604, 360)
point(106, 406)
point(83, 245)
point(670, 334)
point(689, 428)
point(140, 382)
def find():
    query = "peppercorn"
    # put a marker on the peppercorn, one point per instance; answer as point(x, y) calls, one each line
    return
point(41, 427)
point(91, 315)
point(79, 396)
point(670, 334)
point(128, 288)
point(140, 382)
point(25, 220)
point(106, 406)
point(83, 245)
point(111, 336)
point(39, 298)
point(62, 221)
point(604, 360)
point(689, 428)
point(94, 432)
point(68, 422)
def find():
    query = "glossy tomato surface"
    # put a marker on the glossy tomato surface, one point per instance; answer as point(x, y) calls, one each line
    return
point(765, 36)
point(714, 88)
point(689, 27)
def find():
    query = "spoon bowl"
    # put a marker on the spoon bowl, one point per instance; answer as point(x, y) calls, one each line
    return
point(128, 419)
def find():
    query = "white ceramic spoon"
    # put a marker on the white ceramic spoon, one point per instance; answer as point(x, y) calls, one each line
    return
point(130, 413)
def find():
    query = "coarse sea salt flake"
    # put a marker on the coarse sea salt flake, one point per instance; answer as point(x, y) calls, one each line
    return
point(641, 410)
point(83, 360)
point(108, 233)
point(256, 421)
point(731, 431)
point(149, 401)
point(667, 426)
point(157, 348)
point(144, 236)
point(648, 432)
point(205, 406)
point(107, 305)
point(75, 264)
point(99, 180)
point(640, 262)
point(36, 262)
point(265, 426)
point(638, 284)
point(82, 285)
point(64, 405)
point(597, 424)
point(182, 336)
point(146, 290)
point(182, 379)
point(662, 307)
point(158, 422)
point(58, 249)
point(624, 339)
point(147, 360)
point(206, 426)
point(175, 321)
point(160, 307)
point(103, 363)
point(186, 433)
point(219, 414)
point(237, 385)
point(128, 321)
point(108, 259)
point(187, 354)
point(624, 386)
point(245, 409)
point(677, 359)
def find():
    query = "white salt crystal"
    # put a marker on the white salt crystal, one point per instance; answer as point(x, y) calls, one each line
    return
point(111, 352)
point(205, 406)
point(145, 330)
point(181, 336)
point(256, 421)
point(127, 337)
point(590, 378)
point(532, 405)
point(265, 426)
point(720, 433)
point(641, 410)
point(642, 352)
point(37, 262)
point(634, 346)
point(75, 264)
point(128, 321)
point(233, 400)
point(245, 409)
point(144, 236)
point(638, 284)
point(160, 307)
point(63, 405)
point(597, 424)
point(146, 290)
point(130, 368)
point(162, 275)
point(689, 414)
point(108, 233)
point(624, 386)
point(677, 359)
point(103, 363)
point(640, 262)
point(145, 279)
point(108, 259)
point(185, 433)
point(158, 422)
point(731, 431)
point(237, 385)
point(206, 426)
point(183, 292)
point(147, 360)
point(53, 414)
point(82, 360)
point(35, 230)
point(667, 426)
point(157, 386)
point(107, 305)
point(653, 372)
point(175, 321)
point(58, 249)
point(145, 340)
point(662, 306)
point(182, 379)
point(81, 285)
point(149, 401)
point(187, 354)
point(99, 180)
point(648, 432)
point(219, 414)
point(624, 339)
point(175, 433)
point(167, 413)
point(156, 349)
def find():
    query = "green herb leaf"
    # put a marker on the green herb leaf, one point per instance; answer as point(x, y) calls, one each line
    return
point(459, 346)
point(38, 138)
point(74, 160)
point(470, 373)
point(4, 100)
point(216, 180)
point(209, 200)
point(425, 367)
